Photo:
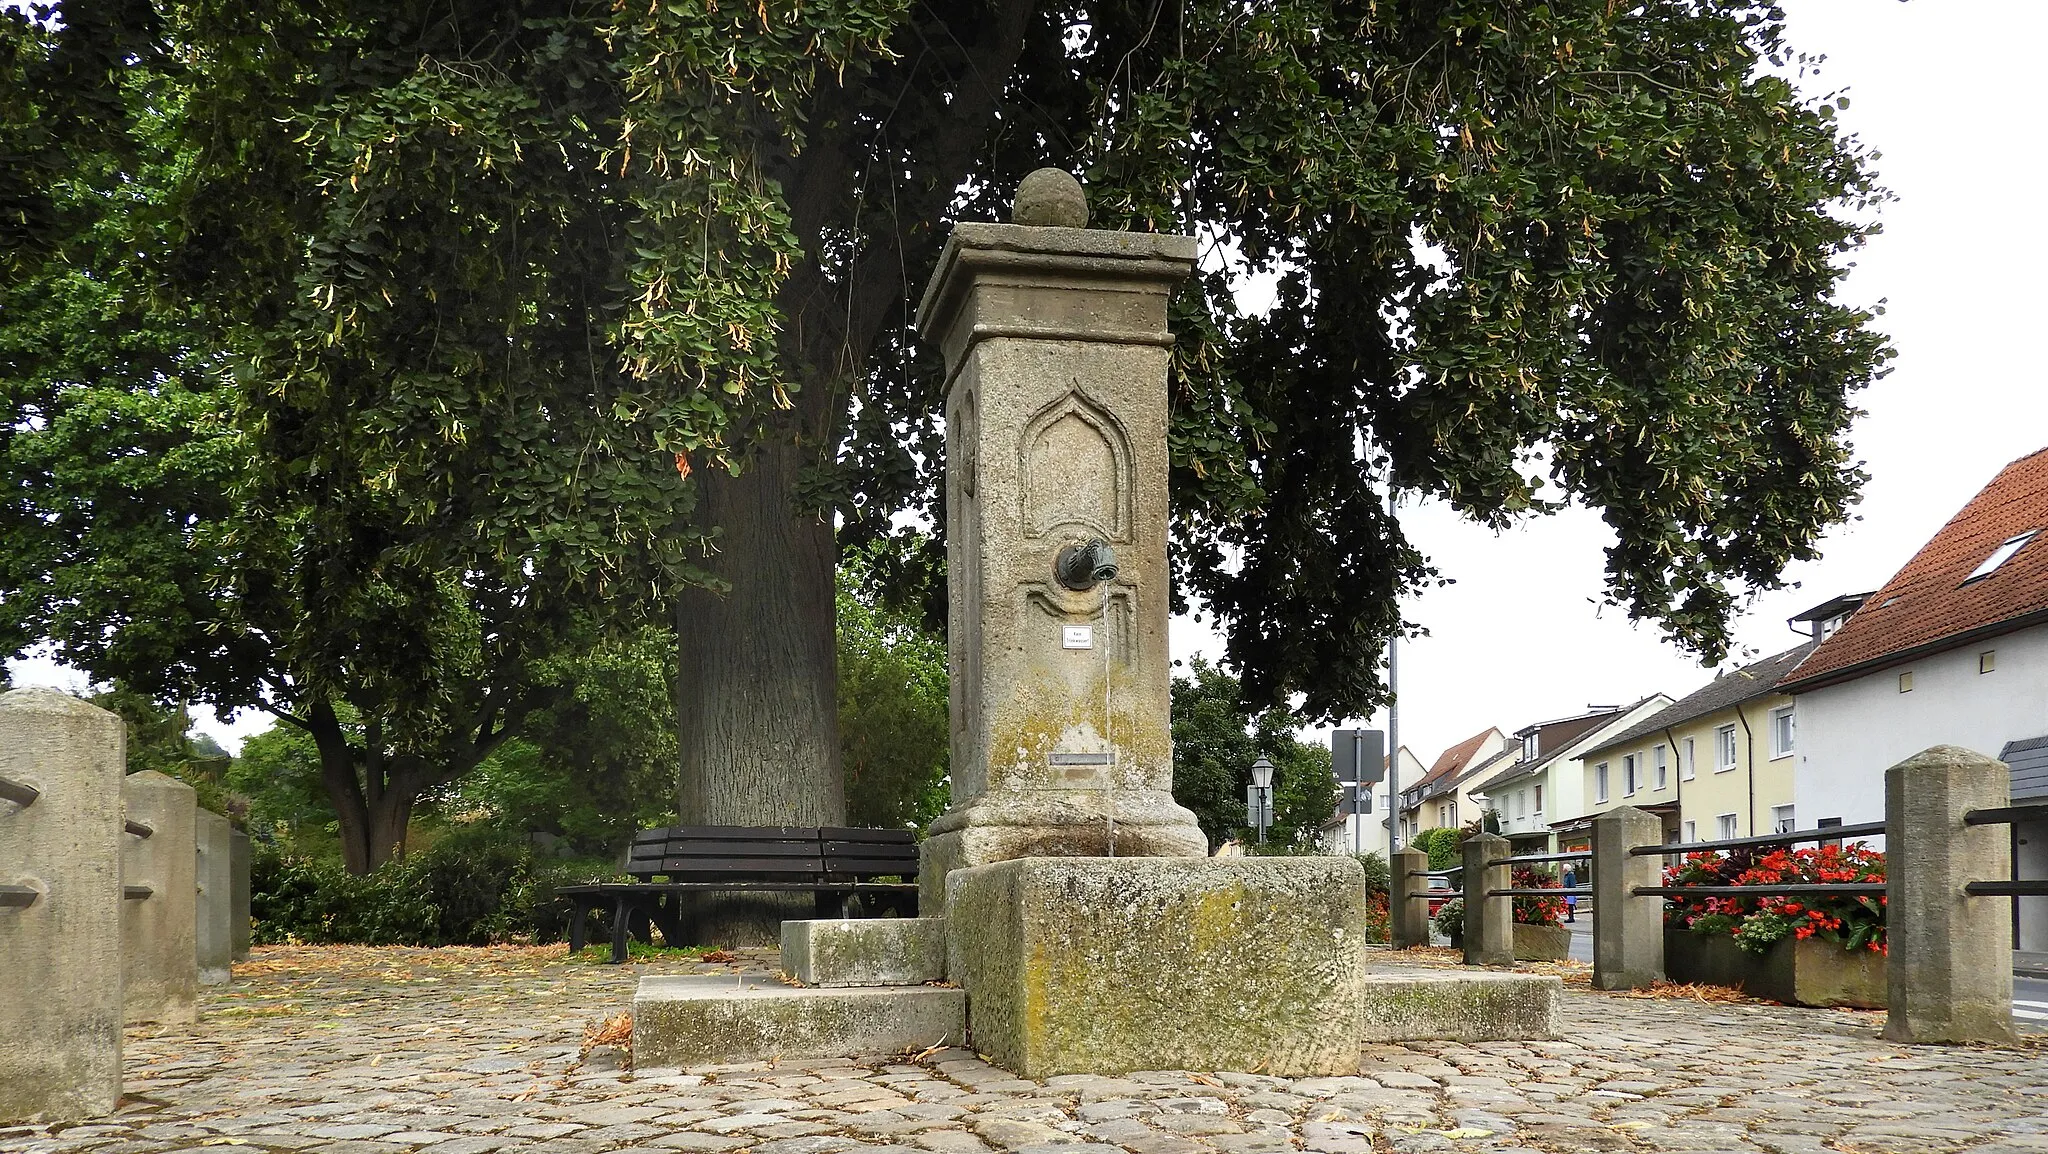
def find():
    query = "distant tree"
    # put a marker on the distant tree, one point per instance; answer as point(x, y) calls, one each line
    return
point(893, 730)
point(595, 763)
point(161, 738)
point(598, 761)
point(1217, 736)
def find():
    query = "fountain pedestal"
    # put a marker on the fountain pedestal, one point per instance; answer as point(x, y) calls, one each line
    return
point(1057, 349)
point(1082, 919)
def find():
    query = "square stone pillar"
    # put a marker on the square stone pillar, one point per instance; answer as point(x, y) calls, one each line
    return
point(1056, 349)
point(60, 942)
point(1628, 931)
point(213, 926)
point(1489, 922)
point(159, 919)
point(238, 891)
point(1408, 897)
point(1950, 962)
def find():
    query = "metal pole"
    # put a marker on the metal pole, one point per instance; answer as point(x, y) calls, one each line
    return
point(1393, 744)
point(1358, 788)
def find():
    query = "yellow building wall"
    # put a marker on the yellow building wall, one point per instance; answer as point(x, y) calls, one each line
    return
point(1750, 790)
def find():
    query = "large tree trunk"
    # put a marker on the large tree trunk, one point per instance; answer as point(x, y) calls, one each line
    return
point(757, 682)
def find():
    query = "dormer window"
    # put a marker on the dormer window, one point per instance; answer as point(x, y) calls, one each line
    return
point(1529, 748)
point(2000, 556)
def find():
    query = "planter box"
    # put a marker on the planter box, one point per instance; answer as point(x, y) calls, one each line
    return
point(1542, 943)
point(1808, 973)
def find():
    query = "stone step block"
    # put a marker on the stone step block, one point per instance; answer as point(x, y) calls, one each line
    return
point(1459, 1006)
point(865, 951)
point(1106, 965)
point(694, 1021)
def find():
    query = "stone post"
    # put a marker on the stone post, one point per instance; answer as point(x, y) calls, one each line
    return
point(238, 894)
point(1056, 348)
point(1950, 964)
point(1628, 931)
point(1489, 922)
point(159, 950)
point(213, 931)
point(60, 954)
point(1408, 895)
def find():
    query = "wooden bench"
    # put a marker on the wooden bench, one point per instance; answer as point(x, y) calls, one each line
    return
point(834, 864)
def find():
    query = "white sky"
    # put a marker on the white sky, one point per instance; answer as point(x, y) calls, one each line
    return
point(1940, 88)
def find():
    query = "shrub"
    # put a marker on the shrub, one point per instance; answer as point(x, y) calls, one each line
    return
point(1450, 919)
point(473, 887)
point(1378, 877)
point(1445, 847)
point(1378, 922)
point(1855, 922)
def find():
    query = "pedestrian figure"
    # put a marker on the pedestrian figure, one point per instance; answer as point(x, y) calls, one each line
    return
point(1571, 901)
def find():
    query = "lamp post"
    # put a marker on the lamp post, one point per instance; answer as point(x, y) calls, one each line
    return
point(1262, 796)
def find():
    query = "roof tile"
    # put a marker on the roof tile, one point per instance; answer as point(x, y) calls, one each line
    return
point(1929, 600)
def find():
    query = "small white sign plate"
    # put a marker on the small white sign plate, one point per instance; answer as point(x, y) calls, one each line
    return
point(1077, 637)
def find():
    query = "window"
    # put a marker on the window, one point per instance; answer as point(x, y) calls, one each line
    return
point(1987, 661)
point(1529, 747)
point(1689, 831)
point(1781, 819)
point(1454, 812)
point(1724, 749)
point(1686, 763)
point(1600, 782)
point(1906, 682)
point(2000, 556)
point(1663, 771)
point(1724, 827)
point(1781, 732)
point(1628, 775)
point(1539, 799)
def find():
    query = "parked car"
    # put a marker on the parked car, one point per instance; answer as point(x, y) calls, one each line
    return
point(1440, 891)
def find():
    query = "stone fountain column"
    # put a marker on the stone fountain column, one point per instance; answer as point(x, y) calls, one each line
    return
point(1056, 349)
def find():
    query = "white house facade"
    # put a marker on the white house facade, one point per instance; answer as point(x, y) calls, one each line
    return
point(1850, 732)
point(1953, 650)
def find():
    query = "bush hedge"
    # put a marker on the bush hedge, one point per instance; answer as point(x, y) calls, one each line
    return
point(468, 889)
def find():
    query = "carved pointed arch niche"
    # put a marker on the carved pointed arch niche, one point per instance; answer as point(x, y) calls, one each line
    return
point(1075, 464)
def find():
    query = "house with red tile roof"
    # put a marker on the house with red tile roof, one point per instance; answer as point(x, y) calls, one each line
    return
point(1953, 650)
point(1441, 798)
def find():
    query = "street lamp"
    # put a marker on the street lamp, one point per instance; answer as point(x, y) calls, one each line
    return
point(1262, 796)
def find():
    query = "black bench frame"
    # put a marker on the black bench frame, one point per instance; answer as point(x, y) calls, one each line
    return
point(834, 864)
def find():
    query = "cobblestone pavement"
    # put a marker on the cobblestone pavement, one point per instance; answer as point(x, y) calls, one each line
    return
point(357, 1051)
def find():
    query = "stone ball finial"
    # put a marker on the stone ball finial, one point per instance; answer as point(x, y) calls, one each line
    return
point(1050, 197)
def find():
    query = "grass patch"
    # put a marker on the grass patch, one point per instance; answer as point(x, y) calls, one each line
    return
point(639, 951)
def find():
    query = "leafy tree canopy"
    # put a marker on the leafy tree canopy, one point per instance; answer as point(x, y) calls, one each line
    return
point(351, 347)
point(215, 495)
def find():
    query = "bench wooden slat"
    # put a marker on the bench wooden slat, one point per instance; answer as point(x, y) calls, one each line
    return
point(740, 833)
point(697, 847)
point(839, 833)
point(870, 849)
point(788, 867)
